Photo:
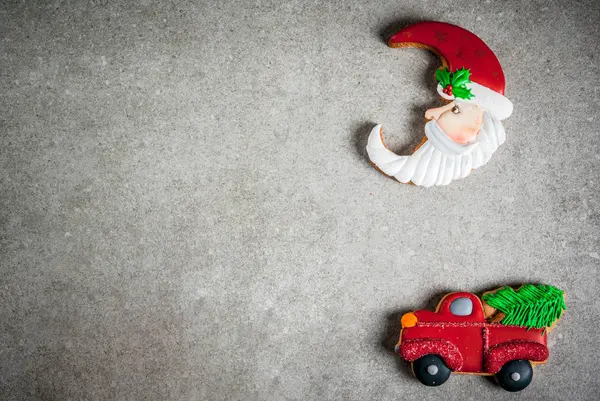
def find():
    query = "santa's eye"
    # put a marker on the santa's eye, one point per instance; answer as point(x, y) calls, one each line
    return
point(455, 110)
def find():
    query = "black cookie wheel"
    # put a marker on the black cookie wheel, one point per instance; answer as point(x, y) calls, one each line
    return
point(515, 375)
point(431, 370)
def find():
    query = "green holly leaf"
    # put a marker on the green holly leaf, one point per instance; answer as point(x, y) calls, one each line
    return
point(460, 78)
point(462, 92)
point(443, 77)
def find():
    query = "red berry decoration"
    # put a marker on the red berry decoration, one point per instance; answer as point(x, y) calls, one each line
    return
point(448, 90)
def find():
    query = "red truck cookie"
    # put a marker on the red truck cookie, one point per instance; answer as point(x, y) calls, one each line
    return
point(464, 337)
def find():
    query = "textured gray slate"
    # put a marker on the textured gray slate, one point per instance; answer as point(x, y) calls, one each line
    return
point(186, 211)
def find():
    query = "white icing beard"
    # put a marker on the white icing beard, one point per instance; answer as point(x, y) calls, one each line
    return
point(439, 160)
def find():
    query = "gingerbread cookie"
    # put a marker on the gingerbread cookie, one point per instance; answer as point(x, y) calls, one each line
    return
point(505, 333)
point(463, 135)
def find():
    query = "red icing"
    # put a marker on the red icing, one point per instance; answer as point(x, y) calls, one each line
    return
point(498, 355)
point(480, 346)
point(412, 350)
point(460, 48)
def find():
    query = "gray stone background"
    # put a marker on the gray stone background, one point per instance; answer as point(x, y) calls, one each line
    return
point(186, 211)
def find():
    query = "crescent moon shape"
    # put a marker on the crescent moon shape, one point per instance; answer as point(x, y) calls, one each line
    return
point(457, 48)
point(441, 157)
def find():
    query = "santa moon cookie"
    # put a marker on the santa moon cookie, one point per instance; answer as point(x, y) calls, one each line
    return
point(462, 135)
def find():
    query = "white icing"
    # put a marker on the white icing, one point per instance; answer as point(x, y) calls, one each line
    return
point(439, 160)
point(488, 99)
point(431, 169)
point(443, 143)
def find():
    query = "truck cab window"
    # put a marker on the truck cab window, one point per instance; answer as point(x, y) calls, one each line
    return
point(461, 307)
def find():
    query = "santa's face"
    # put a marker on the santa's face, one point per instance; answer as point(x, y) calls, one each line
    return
point(461, 121)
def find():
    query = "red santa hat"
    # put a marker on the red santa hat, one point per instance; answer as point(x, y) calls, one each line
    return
point(461, 50)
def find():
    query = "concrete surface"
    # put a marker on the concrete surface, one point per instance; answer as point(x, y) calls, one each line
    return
point(187, 212)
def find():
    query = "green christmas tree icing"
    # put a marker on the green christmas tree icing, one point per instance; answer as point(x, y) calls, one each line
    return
point(531, 306)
